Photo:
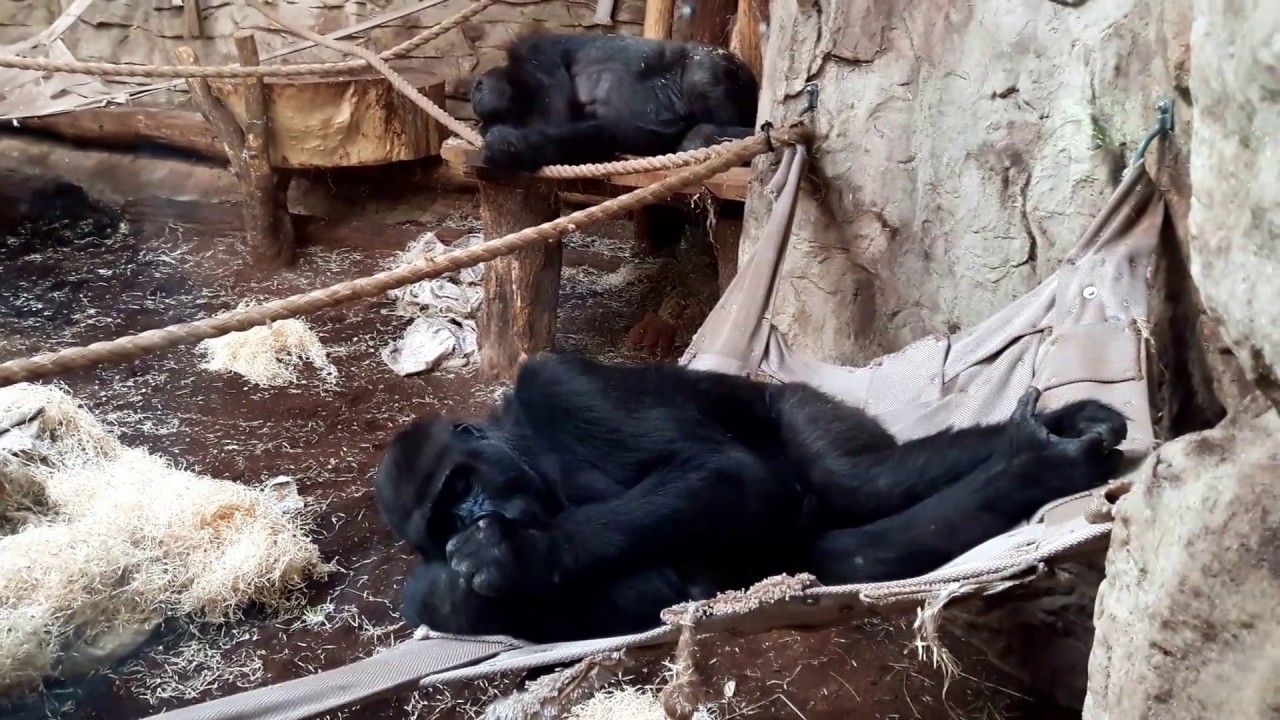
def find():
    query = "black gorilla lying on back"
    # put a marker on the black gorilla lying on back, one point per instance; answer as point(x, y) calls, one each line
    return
point(588, 98)
point(595, 496)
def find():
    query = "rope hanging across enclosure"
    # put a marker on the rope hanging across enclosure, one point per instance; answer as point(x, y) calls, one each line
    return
point(132, 347)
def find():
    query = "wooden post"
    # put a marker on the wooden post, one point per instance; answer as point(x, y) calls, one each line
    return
point(704, 21)
point(521, 291)
point(657, 18)
point(749, 34)
point(191, 20)
point(266, 210)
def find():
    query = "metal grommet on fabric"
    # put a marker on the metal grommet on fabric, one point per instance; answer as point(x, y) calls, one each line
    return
point(1090, 293)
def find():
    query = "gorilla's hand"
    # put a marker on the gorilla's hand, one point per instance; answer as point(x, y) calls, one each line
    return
point(498, 559)
point(1084, 435)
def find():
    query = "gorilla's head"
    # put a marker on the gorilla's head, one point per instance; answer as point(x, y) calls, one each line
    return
point(442, 475)
point(493, 99)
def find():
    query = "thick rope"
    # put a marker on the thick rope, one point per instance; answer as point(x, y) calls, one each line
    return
point(377, 63)
point(183, 72)
point(132, 347)
point(657, 163)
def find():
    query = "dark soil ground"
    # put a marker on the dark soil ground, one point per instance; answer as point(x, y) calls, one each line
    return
point(70, 280)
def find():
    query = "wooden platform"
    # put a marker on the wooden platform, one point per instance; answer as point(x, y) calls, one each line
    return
point(729, 185)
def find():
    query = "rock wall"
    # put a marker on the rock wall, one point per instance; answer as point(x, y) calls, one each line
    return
point(1186, 621)
point(1235, 206)
point(147, 31)
point(963, 147)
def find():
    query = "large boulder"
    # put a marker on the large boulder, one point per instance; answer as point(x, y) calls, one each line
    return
point(1235, 173)
point(1187, 625)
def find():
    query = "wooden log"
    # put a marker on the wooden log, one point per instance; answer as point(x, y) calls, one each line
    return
point(704, 21)
point(521, 291)
point(223, 122)
point(266, 211)
point(343, 121)
point(128, 127)
point(749, 28)
point(657, 18)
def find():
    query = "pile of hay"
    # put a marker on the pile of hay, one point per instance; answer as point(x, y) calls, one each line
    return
point(268, 355)
point(100, 542)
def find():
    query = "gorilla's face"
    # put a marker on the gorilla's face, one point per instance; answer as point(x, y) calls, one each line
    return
point(483, 477)
point(492, 99)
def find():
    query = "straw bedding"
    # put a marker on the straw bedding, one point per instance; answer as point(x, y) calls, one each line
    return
point(100, 542)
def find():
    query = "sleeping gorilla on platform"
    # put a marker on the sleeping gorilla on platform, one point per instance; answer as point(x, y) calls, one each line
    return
point(595, 495)
point(570, 99)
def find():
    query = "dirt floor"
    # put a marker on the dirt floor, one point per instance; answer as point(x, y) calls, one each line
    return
point(72, 280)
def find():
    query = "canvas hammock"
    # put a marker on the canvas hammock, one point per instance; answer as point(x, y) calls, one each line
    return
point(1078, 335)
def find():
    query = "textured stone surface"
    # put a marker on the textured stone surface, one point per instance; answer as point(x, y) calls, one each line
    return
point(1187, 623)
point(1235, 173)
point(964, 148)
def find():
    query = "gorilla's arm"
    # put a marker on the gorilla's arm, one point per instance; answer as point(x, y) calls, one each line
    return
point(529, 149)
point(706, 496)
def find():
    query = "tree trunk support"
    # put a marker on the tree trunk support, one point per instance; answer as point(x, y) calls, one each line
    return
point(266, 210)
point(521, 291)
point(270, 248)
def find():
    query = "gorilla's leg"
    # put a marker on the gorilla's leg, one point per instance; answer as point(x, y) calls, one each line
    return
point(865, 487)
point(990, 499)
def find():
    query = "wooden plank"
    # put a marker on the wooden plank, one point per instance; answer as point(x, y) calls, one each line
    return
point(748, 34)
point(728, 185)
point(657, 18)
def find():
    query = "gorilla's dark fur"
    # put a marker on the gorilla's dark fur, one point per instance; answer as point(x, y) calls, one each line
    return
point(588, 98)
point(595, 496)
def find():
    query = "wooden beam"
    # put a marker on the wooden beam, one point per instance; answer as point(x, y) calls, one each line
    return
point(266, 210)
point(726, 237)
point(657, 18)
point(749, 29)
point(128, 127)
point(704, 21)
point(521, 291)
